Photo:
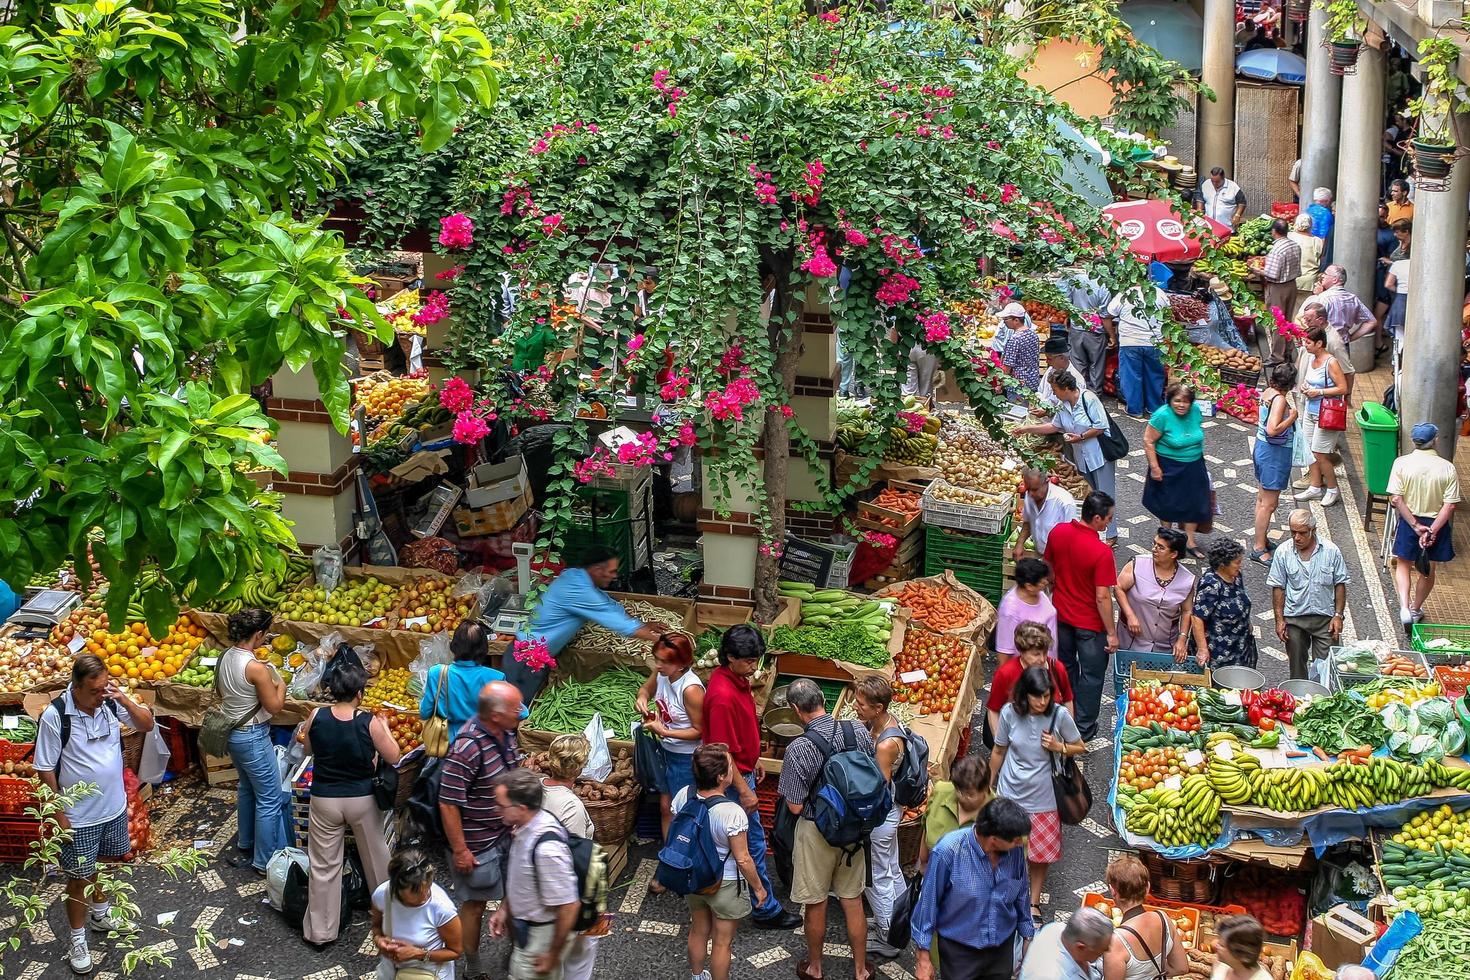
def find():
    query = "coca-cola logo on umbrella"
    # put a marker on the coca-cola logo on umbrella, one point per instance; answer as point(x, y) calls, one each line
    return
point(1132, 229)
point(1170, 229)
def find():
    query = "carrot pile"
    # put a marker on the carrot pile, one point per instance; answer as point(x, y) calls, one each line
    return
point(934, 606)
point(1397, 666)
point(903, 501)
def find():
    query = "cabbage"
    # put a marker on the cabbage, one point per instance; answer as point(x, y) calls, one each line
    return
point(1396, 717)
point(1435, 713)
point(1453, 740)
point(1426, 747)
point(1398, 743)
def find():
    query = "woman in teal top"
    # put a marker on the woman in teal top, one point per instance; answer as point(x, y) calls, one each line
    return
point(1177, 490)
point(468, 674)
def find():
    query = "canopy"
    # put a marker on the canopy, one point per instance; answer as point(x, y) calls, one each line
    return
point(1083, 164)
point(1174, 30)
point(1155, 230)
point(1272, 65)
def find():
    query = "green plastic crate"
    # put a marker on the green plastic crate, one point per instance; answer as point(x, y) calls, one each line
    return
point(962, 546)
point(831, 690)
point(1422, 633)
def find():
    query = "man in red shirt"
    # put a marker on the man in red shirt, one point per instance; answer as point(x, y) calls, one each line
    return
point(1084, 574)
point(729, 717)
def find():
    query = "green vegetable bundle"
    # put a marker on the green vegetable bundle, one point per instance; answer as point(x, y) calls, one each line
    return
point(850, 642)
point(567, 707)
point(23, 732)
point(1156, 736)
point(1440, 952)
point(1339, 721)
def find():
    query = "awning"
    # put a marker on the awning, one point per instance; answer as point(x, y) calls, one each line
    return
point(1272, 65)
point(1174, 30)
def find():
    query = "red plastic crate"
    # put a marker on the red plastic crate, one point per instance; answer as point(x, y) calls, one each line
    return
point(16, 838)
point(16, 751)
point(16, 794)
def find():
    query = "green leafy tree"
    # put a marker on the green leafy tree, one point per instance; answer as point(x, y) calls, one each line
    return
point(729, 156)
point(154, 159)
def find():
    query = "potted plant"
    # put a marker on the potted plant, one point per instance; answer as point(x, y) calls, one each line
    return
point(1344, 29)
point(1434, 146)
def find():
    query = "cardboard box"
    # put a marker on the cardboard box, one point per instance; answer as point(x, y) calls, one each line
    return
point(472, 522)
point(1341, 936)
point(491, 483)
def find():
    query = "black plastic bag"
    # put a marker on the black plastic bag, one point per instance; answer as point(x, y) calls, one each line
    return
point(900, 927)
point(648, 761)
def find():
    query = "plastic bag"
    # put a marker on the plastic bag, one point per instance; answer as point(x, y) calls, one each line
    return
point(1405, 926)
point(156, 753)
point(1309, 966)
point(599, 760)
point(433, 651)
point(304, 682)
point(475, 584)
point(326, 565)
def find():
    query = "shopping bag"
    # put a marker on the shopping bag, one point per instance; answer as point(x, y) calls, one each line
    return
point(154, 762)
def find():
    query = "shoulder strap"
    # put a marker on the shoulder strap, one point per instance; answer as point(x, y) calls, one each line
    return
point(894, 732)
point(59, 703)
point(1147, 949)
point(1053, 722)
point(823, 743)
point(439, 691)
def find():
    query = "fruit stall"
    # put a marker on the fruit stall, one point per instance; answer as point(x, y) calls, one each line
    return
point(1259, 797)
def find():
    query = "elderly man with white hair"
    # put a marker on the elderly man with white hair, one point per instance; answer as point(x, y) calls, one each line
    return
point(1308, 593)
point(1321, 211)
point(1069, 952)
point(1346, 314)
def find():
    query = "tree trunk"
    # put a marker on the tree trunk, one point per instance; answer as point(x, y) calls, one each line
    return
point(775, 439)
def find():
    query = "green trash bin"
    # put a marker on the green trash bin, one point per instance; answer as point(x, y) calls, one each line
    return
point(1380, 429)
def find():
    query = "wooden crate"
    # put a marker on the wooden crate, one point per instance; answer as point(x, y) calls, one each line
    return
point(218, 770)
point(871, 515)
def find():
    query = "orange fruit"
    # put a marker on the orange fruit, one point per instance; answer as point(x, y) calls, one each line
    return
point(115, 670)
point(132, 671)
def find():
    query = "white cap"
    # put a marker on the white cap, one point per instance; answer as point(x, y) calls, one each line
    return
point(1013, 309)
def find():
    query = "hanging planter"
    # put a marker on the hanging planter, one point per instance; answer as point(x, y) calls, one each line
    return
point(1435, 144)
point(1296, 11)
point(1434, 162)
point(1343, 55)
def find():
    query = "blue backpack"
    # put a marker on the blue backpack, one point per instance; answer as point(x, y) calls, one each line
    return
point(850, 798)
point(689, 863)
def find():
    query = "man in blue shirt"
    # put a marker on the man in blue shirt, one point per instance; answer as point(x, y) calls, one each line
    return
point(9, 601)
point(573, 600)
point(976, 897)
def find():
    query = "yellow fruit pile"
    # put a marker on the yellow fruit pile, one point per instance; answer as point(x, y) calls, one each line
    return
point(135, 656)
point(391, 686)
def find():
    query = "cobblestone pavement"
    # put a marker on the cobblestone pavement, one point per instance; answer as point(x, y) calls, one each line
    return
point(254, 943)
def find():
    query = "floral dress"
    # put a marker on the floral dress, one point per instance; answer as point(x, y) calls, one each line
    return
point(1225, 609)
point(1022, 355)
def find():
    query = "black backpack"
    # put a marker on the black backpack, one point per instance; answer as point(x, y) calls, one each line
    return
point(1111, 441)
point(423, 803)
point(60, 705)
point(911, 774)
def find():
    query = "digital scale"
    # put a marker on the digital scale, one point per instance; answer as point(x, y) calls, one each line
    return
point(508, 613)
point(44, 609)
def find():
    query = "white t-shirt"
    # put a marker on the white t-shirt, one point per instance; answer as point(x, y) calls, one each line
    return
point(419, 926)
point(564, 805)
point(726, 819)
point(1136, 327)
point(93, 755)
point(1400, 271)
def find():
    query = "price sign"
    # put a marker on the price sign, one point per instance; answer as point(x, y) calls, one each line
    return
point(1173, 782)
point(1230, 697)
point(393, 707)
point(1166, 698)
point(1194, 757)
point(914, 676)
point(417, 621)
point(1224, 751)
point(77, 642)
point(209, 661)
point(374, 621)
point(10, 722)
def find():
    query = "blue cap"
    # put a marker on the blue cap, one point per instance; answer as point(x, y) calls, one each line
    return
point(1424, 432)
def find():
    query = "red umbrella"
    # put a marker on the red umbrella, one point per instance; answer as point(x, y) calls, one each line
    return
point(1156, 230)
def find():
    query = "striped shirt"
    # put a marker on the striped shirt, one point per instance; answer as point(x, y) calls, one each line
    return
point(1284, 261)
point(470, 768)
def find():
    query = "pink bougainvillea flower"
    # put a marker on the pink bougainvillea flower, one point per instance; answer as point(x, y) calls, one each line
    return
point(936, 326)
point(449, 275)
point(677, 386)
point(771, 549)
point(733, 361)
point(551, 223)
point(1008, 193)
point(598, 464)
point(456, 395)
point(636, 342)
point(732, 401)
point(435, 308)
point(896, 289)
point(456, 230)
point(820, 265)
point(470, 428)
point(830, 16)
point(534, 654)
point(854, 237)
point(1003, 230)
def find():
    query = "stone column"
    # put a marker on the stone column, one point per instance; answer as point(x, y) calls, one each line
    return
point(1430, 379)
point(1358, 168)
point(1320, 110)
point(1217, 118)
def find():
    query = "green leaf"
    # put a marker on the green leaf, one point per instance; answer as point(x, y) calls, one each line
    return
point(159, 609)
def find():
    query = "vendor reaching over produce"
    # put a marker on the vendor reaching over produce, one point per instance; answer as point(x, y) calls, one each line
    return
point(574, 599)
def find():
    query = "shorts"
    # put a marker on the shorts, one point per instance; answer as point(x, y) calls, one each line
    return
point(678, 772)
point(108, 840)
point(1045, 843)
point(485, 883)
point(1320, 440)
point(819, 868)
point(731, 902)
point(1406, 542)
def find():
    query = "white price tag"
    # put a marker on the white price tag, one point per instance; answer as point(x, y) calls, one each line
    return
point(1230, 697)
point(393, 707)
point(1224, 751)
point(209, 661)
point(608, 733)
point(1174, 782)
point(77, 642)
point(1194, 757)
point(417, 621)
point(10, 722)
point(914, 676)
point(374, 621)
point(1166, 698)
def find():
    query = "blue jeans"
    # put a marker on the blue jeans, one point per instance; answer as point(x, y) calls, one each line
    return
point(261, 808)
point(1084, 655)
point(1141, 379)
point(756, 839)
point(847, 360)
point(678, 771)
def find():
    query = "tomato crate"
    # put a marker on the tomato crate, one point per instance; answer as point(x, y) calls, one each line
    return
point(1453, 681)
point(16, 837)
point(16, 751)
point(16, 794)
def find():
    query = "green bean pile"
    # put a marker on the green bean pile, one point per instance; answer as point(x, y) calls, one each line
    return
point(1440, 952)
point(568, 707)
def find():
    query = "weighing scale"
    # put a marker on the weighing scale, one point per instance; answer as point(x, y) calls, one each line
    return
point(43, 610)
point(506, 611)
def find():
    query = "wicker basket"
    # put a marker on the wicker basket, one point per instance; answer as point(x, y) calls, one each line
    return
point(132, 749)
point(612, 823)
point(910, 836)
point(1181, 881)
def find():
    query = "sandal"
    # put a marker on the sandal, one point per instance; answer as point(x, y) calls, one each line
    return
point(804, 971)
point(654, 888)
point(1036, 919)
point(1197, 552)
point(1262, 556)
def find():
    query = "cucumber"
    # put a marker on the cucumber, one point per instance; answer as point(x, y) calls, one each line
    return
point(829, 595)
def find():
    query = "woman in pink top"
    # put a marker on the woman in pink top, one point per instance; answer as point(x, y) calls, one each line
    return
point(1026, 603)
point(1156, 598)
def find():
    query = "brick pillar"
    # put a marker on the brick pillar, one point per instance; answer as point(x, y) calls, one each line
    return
point(319, 489)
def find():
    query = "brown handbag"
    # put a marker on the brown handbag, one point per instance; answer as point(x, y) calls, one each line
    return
point(435, 736)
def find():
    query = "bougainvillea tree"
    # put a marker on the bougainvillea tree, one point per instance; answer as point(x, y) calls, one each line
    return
point(155, 161)
point(703, 170)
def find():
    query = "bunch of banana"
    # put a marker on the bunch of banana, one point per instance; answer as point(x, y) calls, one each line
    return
point(1291, 790)
point(1190, 814)
point(916, 449)
point(264, 589)
point(1231, 770)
